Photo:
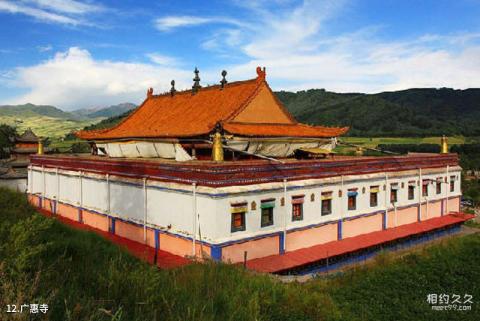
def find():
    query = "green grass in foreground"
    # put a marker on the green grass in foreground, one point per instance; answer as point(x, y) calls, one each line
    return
point(83, 277)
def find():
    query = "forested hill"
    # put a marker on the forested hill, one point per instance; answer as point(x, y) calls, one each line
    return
point(412, 112)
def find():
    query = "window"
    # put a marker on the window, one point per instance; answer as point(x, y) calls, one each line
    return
point(352, 199)
point(267, 212)
point(327, 203)
point(425, 188)
point(439, 185)
point(394, 193)
point(297, 208)
point(374, 196)
point(411, 191)
point(452, 183)
point(238, 216)
point(238, 221)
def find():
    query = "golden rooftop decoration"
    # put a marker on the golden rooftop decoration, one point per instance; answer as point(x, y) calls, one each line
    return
point(444, 145)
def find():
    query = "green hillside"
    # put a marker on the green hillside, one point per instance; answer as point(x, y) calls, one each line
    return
point(412, 112)
point(50, 121)
point(30, 110)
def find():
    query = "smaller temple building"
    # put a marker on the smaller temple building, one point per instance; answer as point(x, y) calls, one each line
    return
point(226, 172)
point(13, 171)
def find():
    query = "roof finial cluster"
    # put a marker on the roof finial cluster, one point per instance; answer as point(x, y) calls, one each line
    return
point(261, 73)
point(196, 81)
point(149, 92)
point(224, 81)
point(172, 90)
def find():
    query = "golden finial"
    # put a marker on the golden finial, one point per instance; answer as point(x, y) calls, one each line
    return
point(217, 148)
point(40, 147)
point(444, 145)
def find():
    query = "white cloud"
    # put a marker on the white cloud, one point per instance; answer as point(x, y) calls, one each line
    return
point(163, 60)
point(172, 22)
point(44, 48)
point(67, 12)
point(66, 6)
point(74, 79)
point(299, 51)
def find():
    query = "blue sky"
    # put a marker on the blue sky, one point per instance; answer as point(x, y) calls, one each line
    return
point(88, 53)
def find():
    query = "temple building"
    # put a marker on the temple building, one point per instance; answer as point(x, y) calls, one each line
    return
point(13, 171)
point(226, 172)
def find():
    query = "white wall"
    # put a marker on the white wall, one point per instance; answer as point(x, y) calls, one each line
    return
point(172, 204)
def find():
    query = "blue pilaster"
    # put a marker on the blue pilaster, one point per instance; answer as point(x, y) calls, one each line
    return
point(384, 220)
point(157, 239)
point(339, 229)
point(80, 215)
point(112, 225)
point(442, 209)
point(216, 252)
point(418, 212)
point(281, 239)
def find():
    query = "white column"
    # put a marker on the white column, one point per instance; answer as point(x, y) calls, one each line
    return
point(447, 192)
point(194, 213)
point(420, 191)
point(29, 179)
point(108, 193)
point(58, 185)
point(386, 201)
point(145, 210)
point(43, 185)
point(285, 215)
point(81, 188)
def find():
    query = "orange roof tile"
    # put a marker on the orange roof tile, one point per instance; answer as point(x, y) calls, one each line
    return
point(188, 115)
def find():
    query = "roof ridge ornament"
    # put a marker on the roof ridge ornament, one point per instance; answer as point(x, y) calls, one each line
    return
point(172, 90)
point(196, 81)
point(224, 81)
point(150, 92)
point(261, 73)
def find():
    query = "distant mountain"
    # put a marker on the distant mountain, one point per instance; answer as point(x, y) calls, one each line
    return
point(105, 112)
point(31, 110)
point(412, 112)
point(44, 120)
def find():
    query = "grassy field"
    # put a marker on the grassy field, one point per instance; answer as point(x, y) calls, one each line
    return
point(373, 142)
point(48, 126)
point(83, 277)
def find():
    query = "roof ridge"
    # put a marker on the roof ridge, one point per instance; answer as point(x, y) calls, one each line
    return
point(202, 89)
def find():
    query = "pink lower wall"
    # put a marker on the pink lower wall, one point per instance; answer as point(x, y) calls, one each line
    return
point(310, 237)
point(133, 232)
point(48, 205)
point(362, 225)
point(67, 211)
point(256, 248)
point(181, 246)
point(404, 216)
point(434, 209)
point(97, 221)
point(454, 204)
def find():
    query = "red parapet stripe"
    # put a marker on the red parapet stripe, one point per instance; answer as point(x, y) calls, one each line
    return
point(236, 173)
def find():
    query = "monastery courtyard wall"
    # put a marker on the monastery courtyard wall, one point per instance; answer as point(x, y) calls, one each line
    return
point(161, 214)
